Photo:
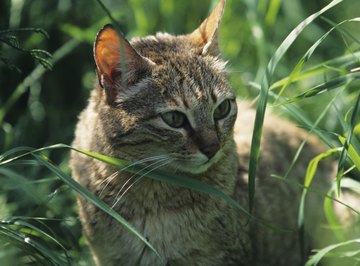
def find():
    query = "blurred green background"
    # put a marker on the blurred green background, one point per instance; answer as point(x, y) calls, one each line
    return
point(40, 108)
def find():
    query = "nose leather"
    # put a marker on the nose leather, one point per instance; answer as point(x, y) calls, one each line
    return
point(207, 142)
point(210, 149)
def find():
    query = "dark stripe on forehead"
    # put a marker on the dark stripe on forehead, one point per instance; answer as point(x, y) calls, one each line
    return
point(184, 99)
point(188, 80)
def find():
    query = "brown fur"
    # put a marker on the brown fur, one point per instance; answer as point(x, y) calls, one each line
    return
point(185, 227)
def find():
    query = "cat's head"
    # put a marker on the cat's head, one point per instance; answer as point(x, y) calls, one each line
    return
point(166, 98)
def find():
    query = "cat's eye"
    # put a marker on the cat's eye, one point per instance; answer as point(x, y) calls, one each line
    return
point(222, 110)
point(174, 119)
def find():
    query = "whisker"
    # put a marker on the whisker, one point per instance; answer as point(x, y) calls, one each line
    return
point(134, 175)
point(162, 163)
point(110, 178)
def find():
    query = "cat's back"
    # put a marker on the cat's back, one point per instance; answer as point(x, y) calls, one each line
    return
point(280, 139)
point(279, 182)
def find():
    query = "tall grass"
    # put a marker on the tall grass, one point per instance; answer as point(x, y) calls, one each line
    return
point(296, 70)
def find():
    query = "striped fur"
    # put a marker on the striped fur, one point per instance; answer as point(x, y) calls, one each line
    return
point(165, 73)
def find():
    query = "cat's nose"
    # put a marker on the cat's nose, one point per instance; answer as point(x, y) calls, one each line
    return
point(207, 141)
point(210, 149)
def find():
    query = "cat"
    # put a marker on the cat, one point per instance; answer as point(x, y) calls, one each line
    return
point(165, 101)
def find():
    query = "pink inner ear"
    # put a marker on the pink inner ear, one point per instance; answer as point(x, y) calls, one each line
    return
point(109, 58)
point(107, 51)
point(110, 50)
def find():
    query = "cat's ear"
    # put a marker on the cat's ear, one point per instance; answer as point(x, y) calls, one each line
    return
point(118, 65)
point(205, 37)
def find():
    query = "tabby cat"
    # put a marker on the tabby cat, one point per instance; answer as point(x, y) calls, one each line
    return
point(164, 101)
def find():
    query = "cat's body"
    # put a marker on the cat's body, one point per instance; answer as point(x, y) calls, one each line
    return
point(186, 227)
point(189, 228)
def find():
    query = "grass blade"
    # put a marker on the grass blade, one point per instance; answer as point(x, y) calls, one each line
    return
point(311, 130)
point(310, 173)
point(170, 178)
point(34, 76)
point(180, 180)
point(308, 54)
point(33, 247)
point(315, 259)
point(343, 155)
point(346, 63)
point(21, 222)
point(330, 215)
point(112, 19)
point(355, 187)
point(352, 153)
point(91, 197)
point(326, 86)
point(265, 85)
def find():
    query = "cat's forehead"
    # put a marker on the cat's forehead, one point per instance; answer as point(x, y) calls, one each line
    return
point(181, 72)
point(161, 46)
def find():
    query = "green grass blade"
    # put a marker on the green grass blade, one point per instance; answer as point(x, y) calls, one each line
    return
point(352, 153)
point(351, 184)
point(299, 66)
point(170, 178)
point(31, 246)
point(13, 151)
point(343, 30)
point(25, 151)
point(273, 11)
point(22, 222)
point(320, 193)
point(34, 76)
point(312, 167)
point(92, 198)
point(315, 259)
point(331, 216)
point(17, 181)
point(106, 159)
point(265, 85)
point(310, 173)
point(343, 155)
point(179, 180)
point(345, 63)
point(34, 229)
point(112, 19)
point(326, 86)
point(311, 130)
point(183, 181)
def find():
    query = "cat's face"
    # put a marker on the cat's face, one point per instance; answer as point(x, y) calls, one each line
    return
point(174, 107)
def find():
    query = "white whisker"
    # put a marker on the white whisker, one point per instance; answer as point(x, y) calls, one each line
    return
point(137, 173)
point(134, 175)
point(110, 178)
point(161, 163)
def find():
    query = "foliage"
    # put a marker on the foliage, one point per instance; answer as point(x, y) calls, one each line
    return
point(314, 82)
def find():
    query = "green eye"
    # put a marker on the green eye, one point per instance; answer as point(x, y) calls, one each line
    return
point(174, 119)
point(222, 110)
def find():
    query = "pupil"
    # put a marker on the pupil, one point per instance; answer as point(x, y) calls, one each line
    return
point(222, 110)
